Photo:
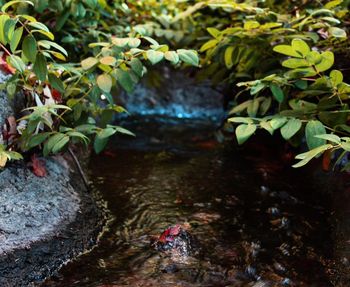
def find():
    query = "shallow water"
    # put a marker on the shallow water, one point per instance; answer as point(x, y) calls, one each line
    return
point(251, 216)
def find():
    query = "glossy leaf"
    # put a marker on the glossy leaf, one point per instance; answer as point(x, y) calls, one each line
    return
point(17, 35)
point(277, 92)
point(29, 48)
point(104, 82)
point(40, 67)
point(88, 63)
point(154, 56)
point(244, 132)
point(290, 128)
point(188, 56)
point(312, 129)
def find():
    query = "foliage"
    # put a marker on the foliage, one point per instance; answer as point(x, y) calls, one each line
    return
point(310, 102)
point(71, 102)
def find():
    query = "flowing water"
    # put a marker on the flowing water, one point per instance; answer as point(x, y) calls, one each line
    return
point(255, 221)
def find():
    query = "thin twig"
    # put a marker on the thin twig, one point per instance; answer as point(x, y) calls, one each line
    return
point(77, 163)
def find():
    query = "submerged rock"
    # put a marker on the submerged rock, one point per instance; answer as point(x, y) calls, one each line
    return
point(178, 241)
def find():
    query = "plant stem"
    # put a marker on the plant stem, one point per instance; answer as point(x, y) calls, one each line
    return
point(77, 163)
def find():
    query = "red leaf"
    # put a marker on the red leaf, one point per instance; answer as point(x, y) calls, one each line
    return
point(4, 66)
point(56, 95)
point(38, 166)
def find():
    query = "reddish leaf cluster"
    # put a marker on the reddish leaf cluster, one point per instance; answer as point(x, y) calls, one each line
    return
point(169, 234)
point(38, 166)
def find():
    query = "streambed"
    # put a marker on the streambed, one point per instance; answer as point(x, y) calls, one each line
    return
point(256, 221)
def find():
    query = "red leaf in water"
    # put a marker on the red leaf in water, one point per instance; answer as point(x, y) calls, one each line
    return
point(174, 230)
point(164, 235)
point(38, 166)
point(169, 233)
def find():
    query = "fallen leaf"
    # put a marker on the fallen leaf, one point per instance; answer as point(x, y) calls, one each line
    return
point(38, 166)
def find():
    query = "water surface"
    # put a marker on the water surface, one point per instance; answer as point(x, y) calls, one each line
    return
point(257, 222)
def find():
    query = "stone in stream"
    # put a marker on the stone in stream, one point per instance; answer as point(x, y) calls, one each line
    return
point(177, 241)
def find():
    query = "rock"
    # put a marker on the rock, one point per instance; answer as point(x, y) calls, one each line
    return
point(44, 222)
point(176, 240)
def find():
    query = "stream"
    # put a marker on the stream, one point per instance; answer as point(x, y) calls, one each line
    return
point(255, 221)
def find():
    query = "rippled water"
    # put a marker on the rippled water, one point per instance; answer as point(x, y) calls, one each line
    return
point(252, 217)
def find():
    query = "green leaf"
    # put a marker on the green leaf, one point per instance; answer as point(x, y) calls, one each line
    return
point(253, 108)
point(326, 62)
point(29, 48)
point(228, 57)
point(10, 3)
point(345, 146)
point(294, 63)
point(286, 50)
point(244, 132)
point(312, 129)
point(3, 19)
point(267, 126)
point(91, 3)
point(136, 66)
point(134, 42)
point(55, 45)
point(307, 156)
point(121, 130)
point(277, 92)
point(101, 140)
point(301, 84)
point(40, 67)
point(17, 35)
point(329, 137)
point(265, 105)
point(56, 83)
point(336, 77)
point(9, 29)
point(37, 139)
point(277, 122)
point(154, 56)
point(17, 63)
point(290, 128)
point(257, 88)
point(51, 142)
point(208, 45)
point(104, 82)
point(39, 26)
point(337, 32)
point(240, 120)
point(172, 57)
point(124, 80)
point(300, 46)
point(214, 32)
point(332, 4)
point(188, 56)
point(251, 25)
point(59, 145)
point(88, 63)
point(45, 33)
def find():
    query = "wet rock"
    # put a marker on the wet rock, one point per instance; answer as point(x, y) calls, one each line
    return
point(176, 240)
point(43, 222)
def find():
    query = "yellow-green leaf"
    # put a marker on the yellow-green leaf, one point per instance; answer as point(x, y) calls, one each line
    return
point(16, 37)
point(88, 63)
point(104, 82)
